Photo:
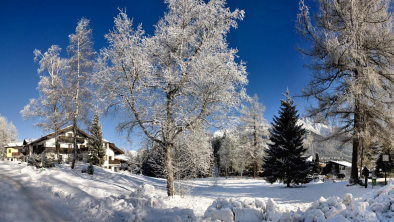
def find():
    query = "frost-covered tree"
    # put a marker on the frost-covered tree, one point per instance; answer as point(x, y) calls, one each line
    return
point(216, 142)
point(352, 54)
point(81, 64)
point(284, 158)
point(228, 151)
point(243, 154)
point(193, 155)
point(255, 129)
point(179, 78)
point(50, 107)
point(95, 143)
point(8, 134)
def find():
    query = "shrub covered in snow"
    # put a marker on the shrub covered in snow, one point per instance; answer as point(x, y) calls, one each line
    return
point(90, 169)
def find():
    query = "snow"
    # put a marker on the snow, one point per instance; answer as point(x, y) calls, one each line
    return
point(343, 163)
point(121, 196)
point(15, 144)
point(317, 128)
point(122, 157)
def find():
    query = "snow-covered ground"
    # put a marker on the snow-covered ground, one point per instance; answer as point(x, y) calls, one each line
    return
point(107, 196)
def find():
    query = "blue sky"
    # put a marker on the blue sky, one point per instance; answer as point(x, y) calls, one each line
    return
point(266, 41)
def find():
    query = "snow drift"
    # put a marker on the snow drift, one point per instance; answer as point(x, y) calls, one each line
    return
point(378, 205)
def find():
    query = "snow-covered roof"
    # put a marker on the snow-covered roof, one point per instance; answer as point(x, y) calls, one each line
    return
point(14, 144)
point(30, 140)
point(343, 163)
point(122, 157)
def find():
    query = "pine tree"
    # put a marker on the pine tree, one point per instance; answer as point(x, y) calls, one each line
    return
point(95, 143)
point(316, 164)
point(284, 159)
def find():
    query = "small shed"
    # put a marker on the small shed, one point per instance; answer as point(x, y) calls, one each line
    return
point(338, 167)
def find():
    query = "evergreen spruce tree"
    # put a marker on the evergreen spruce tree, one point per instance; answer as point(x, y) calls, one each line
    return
point(284, 158)
point(95, 143)
point(316, 164)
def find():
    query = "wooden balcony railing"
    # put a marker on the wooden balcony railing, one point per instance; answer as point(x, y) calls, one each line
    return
point(114, 161)
point(66, 139)
point(16, 154)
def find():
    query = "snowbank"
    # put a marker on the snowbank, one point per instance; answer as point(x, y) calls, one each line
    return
point(375, 206)
point(234, 209)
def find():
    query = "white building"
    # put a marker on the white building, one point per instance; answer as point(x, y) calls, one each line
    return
point(46, 145)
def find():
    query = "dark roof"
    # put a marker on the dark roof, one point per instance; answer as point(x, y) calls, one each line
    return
point(81, 132)
point(68, 128)
point(116, 149)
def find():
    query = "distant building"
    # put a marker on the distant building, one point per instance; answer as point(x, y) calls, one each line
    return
point(15, 151)
point(338, 167)
point(46, 145)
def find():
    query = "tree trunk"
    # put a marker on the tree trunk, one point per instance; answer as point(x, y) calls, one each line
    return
point(56, 144)
point(170, 173)
point(76, 111)
point(74, 143)
point(361, 157)
point(356, 143)
point(255, 148)
point(254, 169)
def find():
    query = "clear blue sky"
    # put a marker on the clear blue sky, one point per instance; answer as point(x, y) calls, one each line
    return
point(266, 41)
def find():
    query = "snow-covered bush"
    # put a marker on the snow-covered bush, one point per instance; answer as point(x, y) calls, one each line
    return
point(48, 160)
point(34, 160)
point(90, 169)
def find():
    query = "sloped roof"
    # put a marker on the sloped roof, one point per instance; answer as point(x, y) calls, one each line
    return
point(19, 144)
point(66, 129)
point(122, 157)
point(116, 149)
point(342, 163)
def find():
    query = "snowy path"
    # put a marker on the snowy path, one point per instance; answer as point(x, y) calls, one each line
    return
point(21, 203)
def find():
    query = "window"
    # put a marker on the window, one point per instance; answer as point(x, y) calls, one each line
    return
point(69, 134)
point(82, 146)
point(70, 146)
point(110, 158)
point(9, 150)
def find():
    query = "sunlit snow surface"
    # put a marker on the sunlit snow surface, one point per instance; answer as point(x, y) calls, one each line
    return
point(108, 196)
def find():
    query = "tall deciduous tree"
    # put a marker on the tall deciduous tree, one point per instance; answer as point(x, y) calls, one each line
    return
point(8, 134)
point(284, 158)
point(81, 64)
point(50, 107)
point(352, 62)
point(182, 76)
point(255, 128)
point(95, 143)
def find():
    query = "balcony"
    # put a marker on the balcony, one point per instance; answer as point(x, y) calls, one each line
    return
point(113, 161)
point(17, 154)
point(67, 139)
